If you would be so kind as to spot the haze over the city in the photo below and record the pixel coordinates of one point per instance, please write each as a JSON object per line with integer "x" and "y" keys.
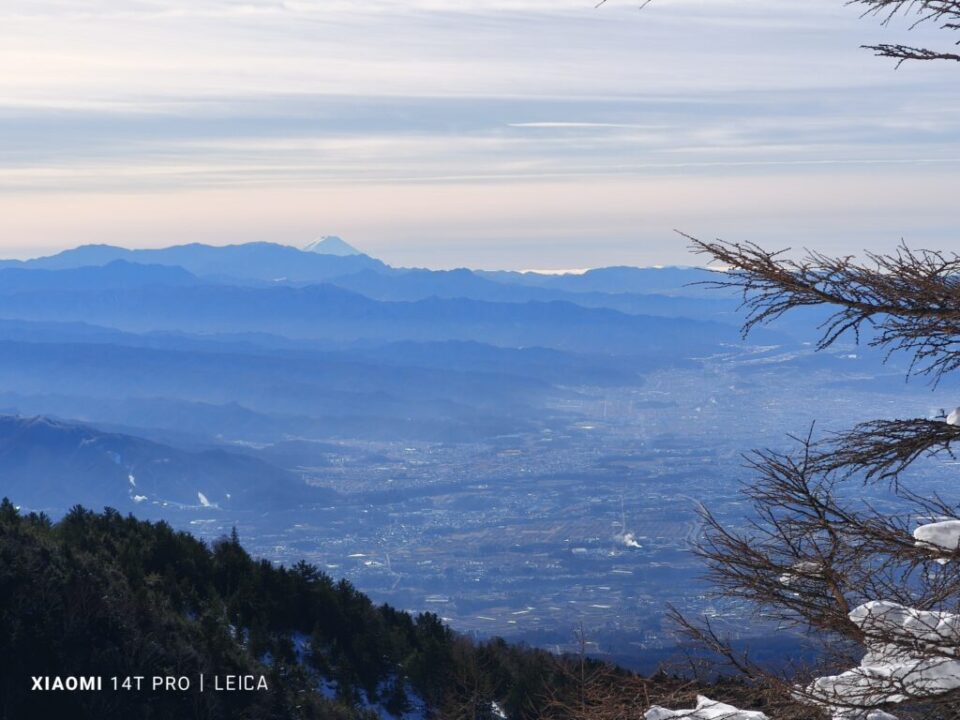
{"x": 444, "y": 133}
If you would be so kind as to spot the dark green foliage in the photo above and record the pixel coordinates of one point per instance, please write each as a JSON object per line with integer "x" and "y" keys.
{"x": 108, "y": 595}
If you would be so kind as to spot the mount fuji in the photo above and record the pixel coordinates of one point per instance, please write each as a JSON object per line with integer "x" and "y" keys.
{"x": 331, "y": 245}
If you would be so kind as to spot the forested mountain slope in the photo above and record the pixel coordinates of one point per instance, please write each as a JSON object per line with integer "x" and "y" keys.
{"x": 111, "y": 596}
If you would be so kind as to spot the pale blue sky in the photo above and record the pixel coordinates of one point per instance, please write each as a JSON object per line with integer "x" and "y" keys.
{"x": 502, "y": 133}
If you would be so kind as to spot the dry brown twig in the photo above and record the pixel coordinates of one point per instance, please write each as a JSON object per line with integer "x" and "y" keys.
{"x": 909, "y": 298}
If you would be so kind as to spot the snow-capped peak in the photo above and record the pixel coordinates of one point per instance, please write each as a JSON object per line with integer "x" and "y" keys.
{"x": 331, "y": 245}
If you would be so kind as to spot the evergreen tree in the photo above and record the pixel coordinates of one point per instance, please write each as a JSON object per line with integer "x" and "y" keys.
{"x": 107, "y": 595}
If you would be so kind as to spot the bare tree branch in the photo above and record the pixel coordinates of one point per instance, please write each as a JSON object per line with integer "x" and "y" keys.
{"x": 882, "y": 449}
{"x": 944, "y": 12}
{"x": 907, "y": 52}
{"x": 910, "y": 299}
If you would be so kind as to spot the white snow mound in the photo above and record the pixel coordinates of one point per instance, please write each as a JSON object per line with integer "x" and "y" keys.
{"x": 911, "y": 654}
{"x": 887, "y": 622}
{"x": 945, "y": 535}
{"x": 706, "y": 709}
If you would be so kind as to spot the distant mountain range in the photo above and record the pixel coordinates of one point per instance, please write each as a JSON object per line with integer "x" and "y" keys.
{"x": 330, "y": 257}
{"x": 115, "y": 275}
{"x": 268, "y": 288}
{"x": 412, "y": 285}
{"x": 334, "y": 314}
{"x": 267, "y": 262}
{"x": 159, "y": 355}
{"x": 255, "y": 394}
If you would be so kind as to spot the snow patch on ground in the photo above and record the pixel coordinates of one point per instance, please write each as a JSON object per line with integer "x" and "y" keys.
{"x": 911, "y": 654}
{"x": 706, "y": 709}
{"x": 944, "y": 535}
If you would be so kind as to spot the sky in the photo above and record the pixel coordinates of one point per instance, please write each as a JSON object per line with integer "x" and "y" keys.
{"x": 518, "y": 134}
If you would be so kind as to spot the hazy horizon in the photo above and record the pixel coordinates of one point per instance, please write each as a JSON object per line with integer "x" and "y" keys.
{"x": 28, "y": 255}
